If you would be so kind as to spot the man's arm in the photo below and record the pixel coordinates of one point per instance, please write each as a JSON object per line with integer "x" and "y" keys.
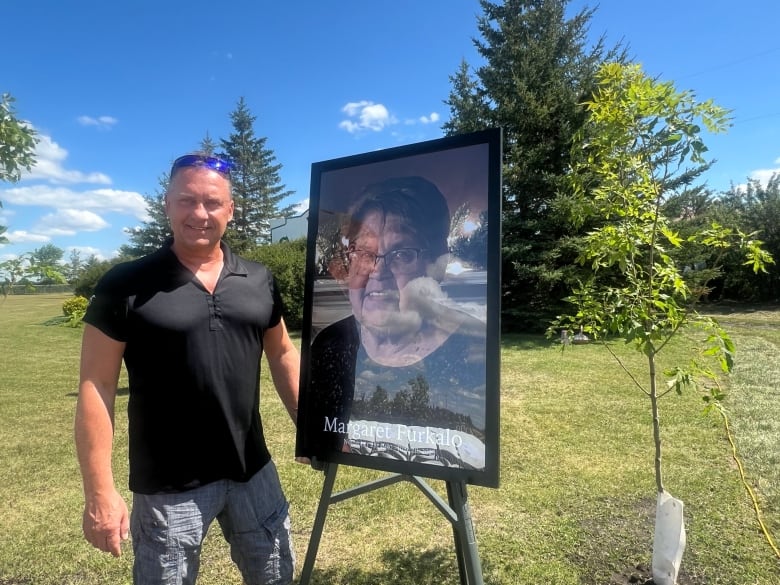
{"x": 285, "y": 364}
{"x": 106, "y": 521}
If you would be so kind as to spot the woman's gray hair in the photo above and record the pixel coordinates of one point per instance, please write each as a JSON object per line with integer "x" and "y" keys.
{"x": 416, "y": 200}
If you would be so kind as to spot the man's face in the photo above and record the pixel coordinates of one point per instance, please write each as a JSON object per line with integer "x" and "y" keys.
{"x": 384, "y": 257}
{"x": 199, "y": 207}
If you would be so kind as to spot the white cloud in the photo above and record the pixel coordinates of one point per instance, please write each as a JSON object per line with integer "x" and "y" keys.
{"x": 48, "y": 204}
{"x": 86, "y": 252}
{"x": 430, "y": 119}
{"x": 366, "y": 115}
{"x": 101, "y": 122}
{"x": 763, "y": 175}
{"x": 68, "y": 222}
{"x": 122, "y": 202}
{"x": 48, "y": 166}
{"x": 50, "y": 150}
{"x": 25, "y": 237}
{"x": 94, "y": 200}
{"x": 301, "y": 206}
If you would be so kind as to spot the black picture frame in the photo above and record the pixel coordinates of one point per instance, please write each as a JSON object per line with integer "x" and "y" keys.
{"x": 466, "y": 170}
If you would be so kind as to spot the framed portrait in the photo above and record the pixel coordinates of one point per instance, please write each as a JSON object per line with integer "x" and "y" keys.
{"x": 401, "y": 324}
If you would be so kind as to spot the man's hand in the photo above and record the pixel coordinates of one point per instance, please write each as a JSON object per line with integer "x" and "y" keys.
{"x": 106, "y": 522}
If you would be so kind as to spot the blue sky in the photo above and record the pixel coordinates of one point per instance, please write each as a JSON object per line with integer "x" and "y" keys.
{"x": 117, "y": 90}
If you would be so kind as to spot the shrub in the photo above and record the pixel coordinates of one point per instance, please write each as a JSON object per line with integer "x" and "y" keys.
{"x": 287, "y": 262}
{"x": 74, "y": 309}
{"x": 75, "y": 305}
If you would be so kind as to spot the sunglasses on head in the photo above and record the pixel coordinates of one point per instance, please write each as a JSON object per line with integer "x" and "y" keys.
{"x": 213, "y": 163}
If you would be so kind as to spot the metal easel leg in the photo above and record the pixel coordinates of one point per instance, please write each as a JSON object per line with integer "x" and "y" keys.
{"x": 457, "y": 512}
{"x": 319, "y": 522}
{"x": 465, "y": 539}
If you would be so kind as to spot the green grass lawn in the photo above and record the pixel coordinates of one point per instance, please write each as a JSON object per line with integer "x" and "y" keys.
{"x": 576, "y": 500}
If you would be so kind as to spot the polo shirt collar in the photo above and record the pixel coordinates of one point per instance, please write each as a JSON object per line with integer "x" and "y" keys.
{"x": 232, "y": 263}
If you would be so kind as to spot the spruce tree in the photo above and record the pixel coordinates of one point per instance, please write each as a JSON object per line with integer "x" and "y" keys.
{"x": 207, "y": 145}
{"x": 151, "y": 234}
{"x": 537, "y": 73}
{"x": 257, "y": 187}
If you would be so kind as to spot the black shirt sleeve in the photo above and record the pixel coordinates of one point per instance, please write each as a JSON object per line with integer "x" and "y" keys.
{"x": 107, "y": 309}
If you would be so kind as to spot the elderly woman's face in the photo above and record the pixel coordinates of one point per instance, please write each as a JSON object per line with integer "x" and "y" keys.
{"x": 383, "y": 258}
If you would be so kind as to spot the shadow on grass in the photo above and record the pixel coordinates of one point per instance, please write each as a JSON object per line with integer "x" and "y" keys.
{"x": 436, "y": 566}
{"x": 526, "y": 341}
{"x": 14, "y": 581}
{"x": 60, "y": 320}
{"x": 735, "y": 308}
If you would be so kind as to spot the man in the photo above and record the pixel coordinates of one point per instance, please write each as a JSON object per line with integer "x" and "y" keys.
{"x": 191, "y": 322}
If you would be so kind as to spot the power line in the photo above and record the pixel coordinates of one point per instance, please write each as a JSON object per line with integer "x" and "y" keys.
{"x": 732, "y": 63}
{"x": 759, "y": 117}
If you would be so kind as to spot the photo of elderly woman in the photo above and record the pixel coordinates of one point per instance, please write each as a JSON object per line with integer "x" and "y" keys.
{"x": 402, "y": 375}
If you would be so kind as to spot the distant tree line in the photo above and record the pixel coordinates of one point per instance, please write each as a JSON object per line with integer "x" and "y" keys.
{"x": 412, "y": 402}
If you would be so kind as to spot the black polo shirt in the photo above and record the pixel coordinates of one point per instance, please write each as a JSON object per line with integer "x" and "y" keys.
{"x": 193, "y": 361}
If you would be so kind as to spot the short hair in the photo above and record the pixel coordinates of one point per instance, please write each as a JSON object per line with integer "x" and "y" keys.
{"x": 415, "y": 199}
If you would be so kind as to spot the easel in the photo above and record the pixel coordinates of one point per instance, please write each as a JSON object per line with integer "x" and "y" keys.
{"x": 456, "y": 511}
